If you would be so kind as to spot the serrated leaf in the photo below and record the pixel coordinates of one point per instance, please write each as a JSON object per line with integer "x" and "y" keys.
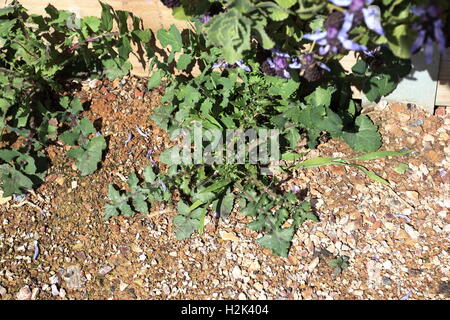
{"x": 286, "y": 3}
{"x": 170, "y": 156}
{"x": 258, "y": 224}
{"x": 124, "y": 48}
{"x": 187, "y": 223}
{"x": 116, "y": 68}
{"x": 113, "y": 194}
{"x": 231, "y": 32}
{"x": 89, "y": 156}
{"x": 360, "y": 68}
{"x": 70, "y": 137}
{"x": 139, "y": 202}
{"x": 133, "y": 181}
{"x": 379, "y": 86}
{"x": 149, "y": 175}
{"x": 183, "y": 61}
{"x": 366, "y": 139}
{"x": 9, "y": 155}
{"x": 170, "y": 37}
{"x": 321, "y": 97}
{"x": 92, "y": 22}
{"x": 13, "y": 181}
{"x": 179, "y": 14}
{"x": 155, "y": 79}
{"x": 279, "y": 241}
{"x": 110, "y": 211}
{"x": 278, "y": 14}
{"x": 75, "y": 106}
{"x": 144, "y": 35}
{"x": 107, "y": 17}
{"x": 86, "y": 127}
{"x": 400, "y": 40}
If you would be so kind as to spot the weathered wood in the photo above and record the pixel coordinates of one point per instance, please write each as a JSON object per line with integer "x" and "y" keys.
{"x": 155, "y": 16}
{"x": 443, "y": 90}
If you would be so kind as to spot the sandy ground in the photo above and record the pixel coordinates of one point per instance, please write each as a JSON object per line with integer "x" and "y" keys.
{"x": 396, "y": 238}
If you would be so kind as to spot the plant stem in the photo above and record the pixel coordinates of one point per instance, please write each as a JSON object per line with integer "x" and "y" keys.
{"x": 335, "y": 7}
{"x": 77, "y": 45}
{"x": 268, "y": 191}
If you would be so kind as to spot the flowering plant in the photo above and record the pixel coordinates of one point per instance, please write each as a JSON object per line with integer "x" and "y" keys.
{"x": 327, "y": 28}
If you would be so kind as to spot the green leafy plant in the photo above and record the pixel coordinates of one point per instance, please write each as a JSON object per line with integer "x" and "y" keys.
{"x": 250, "y": 65}
{"x": 151, "y": 189}
{"x": 225, "y": 96}
{"x": 38, "y": 53}
{"x": 88, "y": 152}
{"x": 339, "y": 264}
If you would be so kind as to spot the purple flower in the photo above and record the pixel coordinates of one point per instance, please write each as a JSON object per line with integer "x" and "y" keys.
{"x": 225, "y": 65}
{"x": 313, "y": 69}
{"x": 372, "y": 18}
{"x": 429, "y": 30}
{"x": 295, "y": 189}
{"x": 335, "y": 40}
{"x": 130, "y": 136}
{"x": 205, "y": 18}
{"x": 354, "y": 5}
{"x": 280, "y": 63}
{"x": 374, "y": 57}
{"x": 163, "y": 185}
{"x": 357, "y": 11}
{"x": 243, "y": 66}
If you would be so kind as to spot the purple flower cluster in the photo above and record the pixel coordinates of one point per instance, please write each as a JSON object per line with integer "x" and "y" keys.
{"x": 429, "y": 30}
{"x": 357, "y": 11}
{"x": 335, "y": 38}
{"x": 205, "y": 18}
{"x": 279, "y": 64}
{"x": 312, "y": 69}
{"x": 226, "y": 65}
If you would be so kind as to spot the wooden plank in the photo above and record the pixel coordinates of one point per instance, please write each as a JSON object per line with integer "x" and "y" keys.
{"x": 443, "y": 90}
{"x": 155, "y": 16}
{"x": 81, "y": 7}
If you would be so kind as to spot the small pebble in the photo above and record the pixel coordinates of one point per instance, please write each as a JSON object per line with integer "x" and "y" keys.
{"x": 123, "y": 286}
{"x": 34, "y": 293}
{"x": 55, "y": 291}
{"x": 62, "y": 293}
{"x": 417, "y": 123}
{"x": 24, "y": 293}
{"x": 105, "y": 269}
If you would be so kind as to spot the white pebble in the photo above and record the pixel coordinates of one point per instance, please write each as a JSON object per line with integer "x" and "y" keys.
{"x": 24, "y": 293}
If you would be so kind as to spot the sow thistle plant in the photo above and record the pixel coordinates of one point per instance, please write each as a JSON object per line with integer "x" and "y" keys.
{"x": 273, "y": 65}
{"x": 240, "y": 94}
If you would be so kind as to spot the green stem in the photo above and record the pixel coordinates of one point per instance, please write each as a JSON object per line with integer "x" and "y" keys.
{"x": 335, "y": 7}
